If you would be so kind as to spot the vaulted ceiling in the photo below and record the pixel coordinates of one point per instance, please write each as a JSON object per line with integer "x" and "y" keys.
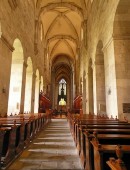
{"x": 62, "y": 27}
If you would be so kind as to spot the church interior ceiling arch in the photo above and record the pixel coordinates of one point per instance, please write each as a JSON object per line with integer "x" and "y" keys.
{"x": 62, "y": 23}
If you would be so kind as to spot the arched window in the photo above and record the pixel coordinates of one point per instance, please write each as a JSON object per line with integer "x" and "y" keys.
{"x": 62, "y": 96}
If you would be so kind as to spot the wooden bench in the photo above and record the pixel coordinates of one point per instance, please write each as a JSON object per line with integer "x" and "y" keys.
{"x": 80, "y": 130}
{"x": 33, "y": 124}
{"x": 103, "y": 152}
{"x": 110, "y": 131}
{"x": 77, "y": 122}
{"x": 93, "y": 124}
{"x": 85, "y": 137}
{"x": 8, "y": 149}
{"x": 17, "y": 132}
{"x": 2, "y": 133}
{"x": 22, "y": 133}
{"x": 116, "y": 164}
{"x": 72, "y": 119}
{"x": 86, "y": 147}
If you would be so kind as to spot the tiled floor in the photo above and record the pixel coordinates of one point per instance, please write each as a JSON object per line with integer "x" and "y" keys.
{"x": 52, "y": 149}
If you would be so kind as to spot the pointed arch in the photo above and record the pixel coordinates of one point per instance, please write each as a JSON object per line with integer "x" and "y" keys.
{"x": 71, "y": 6}
{"x": 16, "y": 78}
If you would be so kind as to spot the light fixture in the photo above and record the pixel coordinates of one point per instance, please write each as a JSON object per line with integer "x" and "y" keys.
{"x": 109, "y": 91}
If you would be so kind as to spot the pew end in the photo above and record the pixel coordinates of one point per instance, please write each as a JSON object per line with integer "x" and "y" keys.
{"x": 115, "y": 165}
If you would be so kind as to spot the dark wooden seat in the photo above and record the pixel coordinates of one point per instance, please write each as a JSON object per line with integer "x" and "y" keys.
{"x": 104, "y": 136}
{"x": 98, "y": 127}
{"x": 116, "y": 164}
{"x": 2, "y": 133}
{"x": 98, "y": 124}
{"x": 8, "y": 149}
{"x": 103, "y": 152}
{"x": 84, "y": 130}
{"x": 17, "y": 132}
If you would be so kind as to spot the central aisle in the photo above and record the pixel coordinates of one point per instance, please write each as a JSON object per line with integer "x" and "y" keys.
{"x": 52, "y": 149}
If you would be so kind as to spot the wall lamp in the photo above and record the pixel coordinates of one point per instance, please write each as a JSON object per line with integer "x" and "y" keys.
{"x": 109, "y": 91}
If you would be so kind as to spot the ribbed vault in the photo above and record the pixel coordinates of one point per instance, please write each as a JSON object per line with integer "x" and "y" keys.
{"x": 62, "y": 29}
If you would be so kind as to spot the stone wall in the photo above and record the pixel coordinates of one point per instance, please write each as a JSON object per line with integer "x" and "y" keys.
{"x": 100, "y": 27}
{"x": 17, "y": 21}
{"x": 107, "y": 21}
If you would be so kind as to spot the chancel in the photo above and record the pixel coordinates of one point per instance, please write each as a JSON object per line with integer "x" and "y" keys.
{"x": 64, "y": 84}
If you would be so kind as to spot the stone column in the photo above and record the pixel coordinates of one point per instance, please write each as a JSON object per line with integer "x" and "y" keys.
{"x": 84, "y": 93}
{"x": 78, "y": 71}
{"x": 71, "y": 87}
{"x": 110, "y": 79}
{"x": 36, "y": 37}
{"x": 94, "y": 88}
{"x": 53, "y": 89}
{"x": 6, "y": 50}
{"x": 87, "y": 93}
{"x": 45, "y": 60}
{"x": 122, "y": 66}
{"x": 33, "y": 92}
{"x": 90, "y": 89}
{"x": 100, "y": 82}
{"x": 56, "y": 95}
{"x": 23, "y": 87}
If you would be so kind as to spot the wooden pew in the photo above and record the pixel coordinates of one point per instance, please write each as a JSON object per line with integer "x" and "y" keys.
{"x": 77, "y": 117}
{"x": 116, "y": 164}
{"x": 72, "y": 119}
{"x": 19, "y": 131}
{"x": 111, "y": 139}
{"x": 102, "y": 125}
{"x": 8, "y": 149}
{"x": 86, "y": 122}
{"x": 103, "y": 152}
{"x": 84, "y": 138}
{"x": 22, "y": 133}
{"x": 19, "y": 141}
{"x": 2, "y": 133}
{"x": 78, "y": 126}
{"x": 35, "y": 123}
{"x": 86, "y": 152}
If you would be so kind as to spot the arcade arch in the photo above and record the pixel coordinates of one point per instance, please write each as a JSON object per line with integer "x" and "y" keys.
{"x": 15, "y": 78}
